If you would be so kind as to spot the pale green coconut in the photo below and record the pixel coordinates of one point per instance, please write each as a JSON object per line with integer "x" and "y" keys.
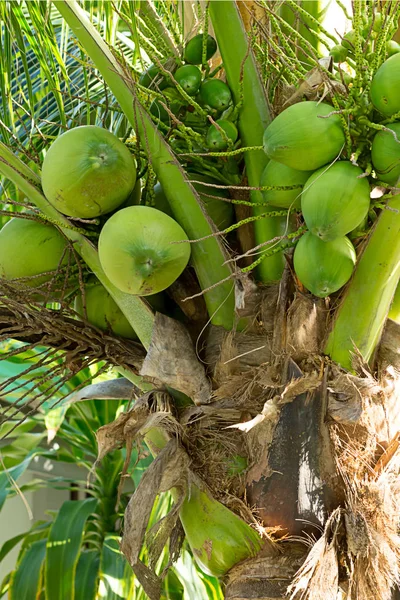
{"x": 323, "y": 267}
{"x": 335, "y": 200}
{"x": 29, "y": 248}
{"x": 88, "y": 172}
{"x": 142, "y": 250}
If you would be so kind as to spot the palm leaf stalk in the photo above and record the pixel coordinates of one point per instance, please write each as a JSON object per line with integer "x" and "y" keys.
{"x": 244, "y": 80}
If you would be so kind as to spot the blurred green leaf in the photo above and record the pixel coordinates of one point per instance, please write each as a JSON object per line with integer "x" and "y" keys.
{"x": 87, "y": 572}
{"x": 26, "y": 580}
{"x": 117, "y": 580}
{"x": 64, "y": 546}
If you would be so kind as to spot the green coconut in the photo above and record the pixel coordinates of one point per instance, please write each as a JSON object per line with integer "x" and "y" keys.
{"x": 153, "y": 78}
{"x": 140, "y": 252}
{"x": 218, "y": 141}
{"x": 215, "y": 94}
{"x": 392, "y": 47}
{"x": 335, "y": 200}
{"x": 194, "y": 49}
{"x": 323, "y": 267}
{"x": 385, "y": 154}
{"x": 29, "y": 248}
{"x": 189, "y": 78}
{"x": 278, "y": 174}
{"x": 385, "y": 87}
{"x": 103, "y": 312}
{"x": 88, "y": 172}
{"x": 301, "y": 138}
{"x": 221, "y": 212}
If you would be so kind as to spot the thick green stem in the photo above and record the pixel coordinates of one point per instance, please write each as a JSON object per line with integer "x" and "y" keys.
{"x": 207, "y": 256}
{"x": 254, "y": 117}
{"x": 362, "y": 314}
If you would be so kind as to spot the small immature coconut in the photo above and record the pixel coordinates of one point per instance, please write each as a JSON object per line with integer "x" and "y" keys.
{"x": 138, "y": 250}
{"x": 153, "y": 78}
{"x": 304, "y": 137}
{"x": 335, "y": 200}
{"x": 189, "y": 78}
{"x": 323, "y": 267}
{"x": 216, "y": 140}
{"x": 29, "y": 248}
{"x": 194, "y": 49}
{"x": 88, "y": 172}
{"x": 215, "y": 94}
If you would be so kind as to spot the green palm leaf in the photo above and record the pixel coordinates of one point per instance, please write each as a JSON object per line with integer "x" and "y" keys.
{"x": 26, "y": 580}
{"x": 63, "y": 548}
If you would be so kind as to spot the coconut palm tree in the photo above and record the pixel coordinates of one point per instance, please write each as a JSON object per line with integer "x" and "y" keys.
{"x": 269, "y": 387}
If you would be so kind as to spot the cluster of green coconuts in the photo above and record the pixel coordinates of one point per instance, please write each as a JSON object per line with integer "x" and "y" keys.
{"x": 89, "y": 172}
{"x": 209, "y": 92}
{"x": 304, "y": 144}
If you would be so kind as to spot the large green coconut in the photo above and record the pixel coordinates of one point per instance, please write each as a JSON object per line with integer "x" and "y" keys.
{"x": 323, "y": 267}
{"x": 221, "y": 212}
{"x": 385, "y": 87}
{"x": 103, "y": 312}
{"x": 140, "y": 252}
{"x": 335, "y": 200}
{"x": 385, "y": 154}
{"x": 88, "y": 172}
{"x": 277, "y": 174}
{"x": 29, "y": 248}
{"x": 304, "y": 137}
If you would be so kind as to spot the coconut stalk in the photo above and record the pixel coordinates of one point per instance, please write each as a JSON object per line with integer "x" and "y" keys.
{"x": 254, "y": 117}
{"x": 208, "y": 256}
{"x": 360, "y": 319}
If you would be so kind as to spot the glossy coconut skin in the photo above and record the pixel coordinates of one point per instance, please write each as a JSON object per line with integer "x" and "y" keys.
{"x": 335, "y": 200}
{"x": 300, "y": 137}
{"x": 277, "y": 174}
{"x": 215, "y": 138}
{"x": 194, "y": 49}
{"x": 323, "y": 267}
{"x": 385, "y": 87}
{"x": 189, "y": 78}
{"x": 385, "y": 154}
{"x": 215, "y": 94}
{"x": 29, "y": 248}
{"x": 140, "y": 250}
{"x": 88, "y": 172}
